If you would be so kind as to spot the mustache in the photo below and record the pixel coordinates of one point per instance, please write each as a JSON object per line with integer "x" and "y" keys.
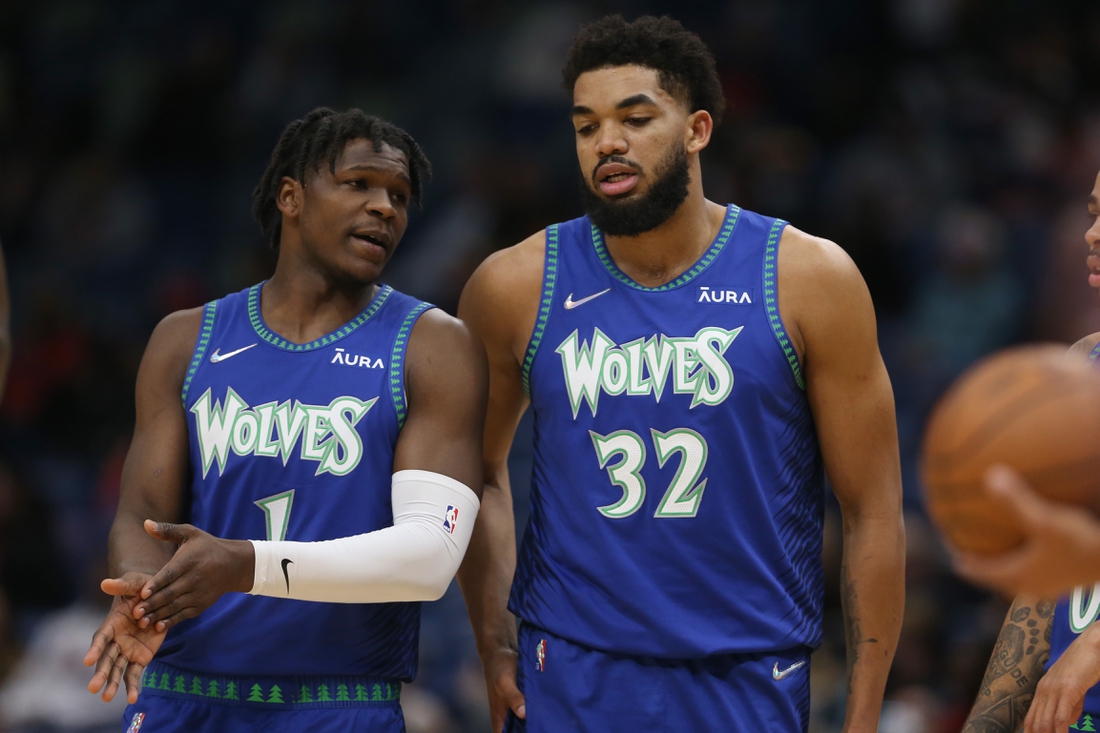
{"x": 613, "y": 159}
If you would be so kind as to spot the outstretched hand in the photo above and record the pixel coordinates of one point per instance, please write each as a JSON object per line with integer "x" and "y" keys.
{"x": 1061, "y": 546}
{"x": 203, "y": 569}
{"x": 121, "y": 648}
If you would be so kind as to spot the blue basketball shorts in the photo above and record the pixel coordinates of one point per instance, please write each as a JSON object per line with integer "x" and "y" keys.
{"x": 575, "y": 689}
{"x": 178, "y": 701}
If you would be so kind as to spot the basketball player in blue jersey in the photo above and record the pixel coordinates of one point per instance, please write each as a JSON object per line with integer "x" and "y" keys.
{"x": 1045, "y": 669}
{"x": 316, "y": 405}
{"x": 694, "y": 370}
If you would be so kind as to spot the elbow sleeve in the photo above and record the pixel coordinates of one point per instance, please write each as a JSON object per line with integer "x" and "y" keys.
{"x": 414, "y": 560}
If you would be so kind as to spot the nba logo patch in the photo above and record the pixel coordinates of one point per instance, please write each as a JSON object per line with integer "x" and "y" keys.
{"x": 540, "y": 656}
{"x": 135, "y": 723}
{"x": 450, "y": 519}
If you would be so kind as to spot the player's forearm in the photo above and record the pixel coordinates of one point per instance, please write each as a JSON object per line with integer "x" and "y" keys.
{"x": 1017, "y": 663}
{"x": 486, "y": 574}
{"x": 131, "y": 549}
{"x": 873, "y": 598}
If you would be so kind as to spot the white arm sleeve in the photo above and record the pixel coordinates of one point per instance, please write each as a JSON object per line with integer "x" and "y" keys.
{"x": 414, "y": 560}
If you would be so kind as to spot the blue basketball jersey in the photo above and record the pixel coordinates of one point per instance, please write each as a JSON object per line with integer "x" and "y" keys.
{"x": 677, "y": 497}
{"x": 1075, "y": 613}
{"x": 296, "y": 442}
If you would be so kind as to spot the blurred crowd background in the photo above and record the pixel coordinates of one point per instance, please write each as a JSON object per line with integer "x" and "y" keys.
{"x": 947, "y": 145}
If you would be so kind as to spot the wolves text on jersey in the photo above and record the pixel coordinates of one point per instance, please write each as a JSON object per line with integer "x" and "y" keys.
{"x": 327, "y": 432}
{"x": 642, "y": 366}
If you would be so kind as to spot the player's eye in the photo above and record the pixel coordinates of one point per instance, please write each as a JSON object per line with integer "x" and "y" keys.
{"x": 638, "y": 121}
{"x": 357, "y": 183}
{"x": 586, "y": 129}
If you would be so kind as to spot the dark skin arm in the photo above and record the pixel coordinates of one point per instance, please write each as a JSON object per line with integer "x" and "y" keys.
{"x": 500, "y": 304}
{"x": 828, "y": 311}
{"x": 153, "y": 480}
{"x": 1015, "y": 668}
{"x": 447, "y": 382}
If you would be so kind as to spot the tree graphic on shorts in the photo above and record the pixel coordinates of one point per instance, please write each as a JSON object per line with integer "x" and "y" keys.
{"x": 257, "y": 694}
{"x": 179, "y": 686}
{"x": 342, "y": 693}
{"x": 196, "y": 686}
{"x": 322, "y": 694}
{"x": 212, "y": 689}
{"x": 276, "y": 695}
{"x": 376, "y": 696}
{"x": 231, "y": 691}
{"x": 305, "y": 695}
{"x": 361, "y": 694}
{"x": 1086, "y": 723}
{"x": 165, "y": 682}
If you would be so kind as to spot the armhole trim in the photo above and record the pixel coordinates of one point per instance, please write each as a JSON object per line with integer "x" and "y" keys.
{"x": 549, "y": 278}
{"x": 1095, "y": 353}
{"x": 771, "y": 301}
{"x": 397, "y": 363}
{"x": 201, "y": 343}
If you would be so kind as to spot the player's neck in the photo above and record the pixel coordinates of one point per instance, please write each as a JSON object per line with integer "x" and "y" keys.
{"x": 663, "y": 254}
{"x": 302, "y": 304}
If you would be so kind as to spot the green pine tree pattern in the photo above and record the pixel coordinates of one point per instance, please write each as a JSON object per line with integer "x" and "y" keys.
{"x": 1086, "y": 723}
{"x": 179, "y": 686}
{"x": 322, "y": 694}
{"x": 342, "y": 693}
{"x": 376, "y": 696}
{"x": 231, "y": 691}
{"x": 276, "y": 695}
{"x": 361, "y": 694}
{"x": 212, "y": 689}
{"x": 165, "y": 682}
{"x": 257, "y": 694}
{"x": 305, "y": 695}
{"x": 196, "y": 686}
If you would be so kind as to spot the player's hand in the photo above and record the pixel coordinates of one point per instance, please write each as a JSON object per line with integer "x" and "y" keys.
{"x": 1061, "y": 544}
{"x": 120, "y": 648}
{"x": 203, "y": 569}
{"x": 1060, "y": 695}
{"x": 500, "y": 680}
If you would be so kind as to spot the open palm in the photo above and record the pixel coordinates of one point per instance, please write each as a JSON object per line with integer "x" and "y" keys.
{"x": 121, "y": 648}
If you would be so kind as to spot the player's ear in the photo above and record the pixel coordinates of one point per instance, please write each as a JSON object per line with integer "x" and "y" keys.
{"x": 697, "y": 130}
{"x": 289, "y": 197}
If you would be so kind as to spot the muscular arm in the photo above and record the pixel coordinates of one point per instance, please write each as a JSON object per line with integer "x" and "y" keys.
{"x": 499, "y": 304}
{"x": 1019, "y": 656}
{"x": 822, "y": 295}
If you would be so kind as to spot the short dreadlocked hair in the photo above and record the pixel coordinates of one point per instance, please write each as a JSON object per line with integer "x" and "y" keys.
{"x": 318, "y": 138}
{"x": 684, "y": 64}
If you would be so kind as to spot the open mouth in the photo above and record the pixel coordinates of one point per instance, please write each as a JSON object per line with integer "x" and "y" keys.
{"x": 374, "y": 240}
{"x": 615, "y": 179}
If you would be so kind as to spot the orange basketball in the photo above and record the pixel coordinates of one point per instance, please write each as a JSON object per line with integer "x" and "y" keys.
{"x": 1034, "y": 408}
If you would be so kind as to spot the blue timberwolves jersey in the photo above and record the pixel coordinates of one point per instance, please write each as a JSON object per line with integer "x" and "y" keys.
{"x": 1075, "y": 614}
{"x": 296, "y": 442}
{"x": 677, "y": 494}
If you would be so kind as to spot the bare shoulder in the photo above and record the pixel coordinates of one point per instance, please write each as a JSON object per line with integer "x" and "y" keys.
{"x": 816, "y": 263}
{"x": 438, "y": 336}
{"x": 168, "y": 353}
{"x": 501, "y": 299}
{"x": 1085, "y": 346}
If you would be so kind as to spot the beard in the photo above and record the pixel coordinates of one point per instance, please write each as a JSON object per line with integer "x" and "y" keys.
{"x": 645, "y": 212}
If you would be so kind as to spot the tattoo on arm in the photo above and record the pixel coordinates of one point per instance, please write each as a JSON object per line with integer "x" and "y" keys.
{"x": 853, "y": 634}
{"x": 1021, "y": 653}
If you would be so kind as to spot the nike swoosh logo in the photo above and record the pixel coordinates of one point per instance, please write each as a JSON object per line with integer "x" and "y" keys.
{"x": 778, "y": 674}
{"x": 216, "y": 357}
{"x": 286, "y": 575}
{"x": 570, "y": 304}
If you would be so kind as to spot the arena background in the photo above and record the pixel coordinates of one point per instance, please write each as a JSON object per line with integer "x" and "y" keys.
{"x": 948, "y": 145}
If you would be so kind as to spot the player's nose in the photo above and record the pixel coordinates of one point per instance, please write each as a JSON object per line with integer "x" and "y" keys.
{"x": 1092, "y": 236}
{"x": 611, "y": 141}
{"x": 380, "y": 204}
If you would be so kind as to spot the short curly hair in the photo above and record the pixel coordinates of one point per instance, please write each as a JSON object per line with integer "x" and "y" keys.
{"x": 684, "y": 65}
{"x": 318, "y": 139}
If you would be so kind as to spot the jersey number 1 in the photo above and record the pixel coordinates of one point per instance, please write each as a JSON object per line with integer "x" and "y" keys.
{"x": 683, "y": 496}
{"x": 277, "y": 513}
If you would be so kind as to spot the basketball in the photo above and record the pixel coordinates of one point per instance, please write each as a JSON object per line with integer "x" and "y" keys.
{"x": 1033, "y": 408}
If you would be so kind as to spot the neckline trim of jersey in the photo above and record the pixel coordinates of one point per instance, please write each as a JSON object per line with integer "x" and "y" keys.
{"x": 733, "y": 214}
{"x": 269, "y": 336}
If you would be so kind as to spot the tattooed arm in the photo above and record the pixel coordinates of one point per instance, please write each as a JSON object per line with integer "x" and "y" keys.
{"x": 1019, "y": 656}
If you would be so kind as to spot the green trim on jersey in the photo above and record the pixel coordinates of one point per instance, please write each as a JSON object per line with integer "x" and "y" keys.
{"x": 397, "y": 363}
{"x": 271, "y": 693}
{"x": 1095, "y": 353}
{"x": 201, "y": 345}
{"x": 281, "y": 343}
{"x": 549, "y": 277}
{"x": 771, "y": 302}
{"x": 728, "y": 225}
